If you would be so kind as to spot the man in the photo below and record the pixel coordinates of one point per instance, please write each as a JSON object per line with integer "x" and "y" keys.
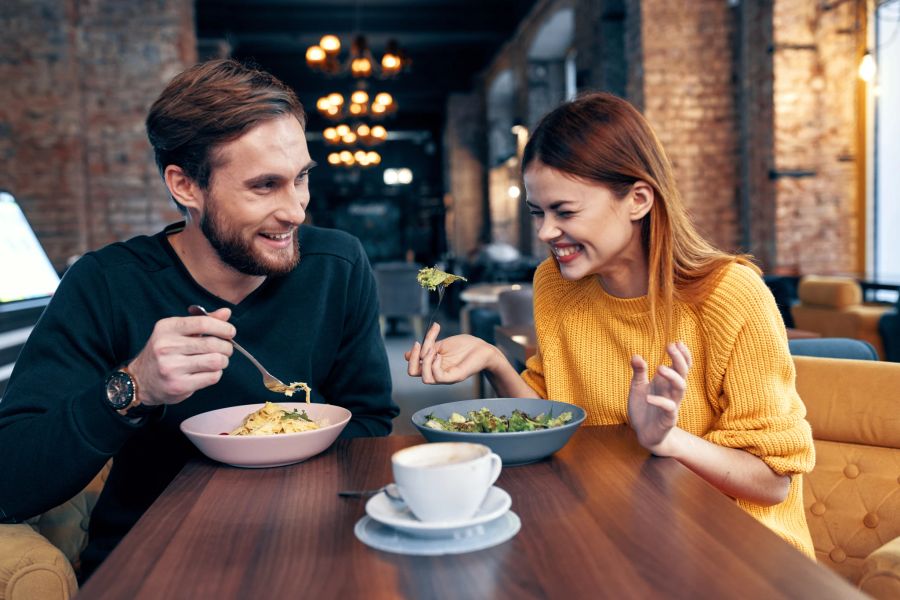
{"x": 115, "y": 363}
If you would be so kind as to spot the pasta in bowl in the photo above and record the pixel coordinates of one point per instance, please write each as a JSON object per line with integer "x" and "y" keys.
{"x": 280, "y": 433}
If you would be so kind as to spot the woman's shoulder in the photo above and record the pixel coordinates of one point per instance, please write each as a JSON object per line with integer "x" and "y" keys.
{"x": 737, "y": 283}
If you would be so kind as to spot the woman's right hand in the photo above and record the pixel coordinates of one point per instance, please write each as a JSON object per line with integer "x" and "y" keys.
{"x": 450, "y": 360}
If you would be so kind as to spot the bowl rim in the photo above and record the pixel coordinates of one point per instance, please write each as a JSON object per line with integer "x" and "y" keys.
{"x": 292, "y": 435}
{"x": 575, "y": 422}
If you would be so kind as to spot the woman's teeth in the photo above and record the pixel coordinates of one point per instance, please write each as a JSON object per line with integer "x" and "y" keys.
{"x": 568, "y": 250}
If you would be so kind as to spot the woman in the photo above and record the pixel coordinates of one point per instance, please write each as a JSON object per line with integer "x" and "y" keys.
{"x": 631, "y": 285}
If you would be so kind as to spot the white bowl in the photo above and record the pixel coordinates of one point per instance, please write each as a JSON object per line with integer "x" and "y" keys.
{"x": 205, "y": 431}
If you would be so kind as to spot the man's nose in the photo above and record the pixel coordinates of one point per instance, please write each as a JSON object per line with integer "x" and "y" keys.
{"x": 293, "y": 205}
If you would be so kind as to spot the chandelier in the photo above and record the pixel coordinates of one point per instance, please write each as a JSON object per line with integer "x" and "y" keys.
{"x": 334, "y": 106}
{"x": 344, "y": 134}
{"x": 361, "y": 158}
{"x": 325, "y": 57}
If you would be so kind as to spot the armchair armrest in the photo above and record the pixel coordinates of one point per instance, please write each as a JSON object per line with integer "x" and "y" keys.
{"x": 881, "y": 571}
{"x": 32, "y": 567}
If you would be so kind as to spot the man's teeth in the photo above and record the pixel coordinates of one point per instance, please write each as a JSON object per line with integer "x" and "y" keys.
{"x": 566, "y": 251}
{"x": 277, "y": 236}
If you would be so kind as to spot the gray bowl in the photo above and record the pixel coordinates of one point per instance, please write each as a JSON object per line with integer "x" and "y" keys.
{"x": 515, "y": 448}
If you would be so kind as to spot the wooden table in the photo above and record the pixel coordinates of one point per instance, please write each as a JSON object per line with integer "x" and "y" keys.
{"x": 600, "y": 519}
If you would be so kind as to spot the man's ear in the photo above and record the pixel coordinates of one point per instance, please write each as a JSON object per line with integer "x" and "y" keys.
{"x": 184, "y": 190}
{"x": 642, "y": 198}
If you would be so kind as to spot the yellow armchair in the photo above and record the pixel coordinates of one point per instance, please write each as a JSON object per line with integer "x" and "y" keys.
{"x": 833, "y": 307}
{"x": 38, "y": 558}
{"x": 852, "y": 497}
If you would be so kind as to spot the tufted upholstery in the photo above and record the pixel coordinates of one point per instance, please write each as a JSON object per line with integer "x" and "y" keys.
{"x": 38, "y": 557}
{"x": 832, "y": 307}
{"x": 852, "y": 497}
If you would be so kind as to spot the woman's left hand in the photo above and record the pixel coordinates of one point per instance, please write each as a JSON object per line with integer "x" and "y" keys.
{"x": 653, "y": 405}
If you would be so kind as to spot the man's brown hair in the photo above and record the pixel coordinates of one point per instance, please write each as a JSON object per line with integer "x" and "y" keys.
{"x": 209, "y": 104}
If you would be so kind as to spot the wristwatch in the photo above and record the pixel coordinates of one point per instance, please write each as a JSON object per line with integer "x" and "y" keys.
{"x": 122, "y": 392}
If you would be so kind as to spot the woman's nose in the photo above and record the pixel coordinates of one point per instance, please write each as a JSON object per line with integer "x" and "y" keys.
{"x": 547, "y": 230}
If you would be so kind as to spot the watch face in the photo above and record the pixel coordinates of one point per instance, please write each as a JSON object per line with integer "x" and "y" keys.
{"x": 119, "y": 390}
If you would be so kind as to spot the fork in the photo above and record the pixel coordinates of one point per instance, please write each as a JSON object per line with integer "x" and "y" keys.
{"x": 440, "y": 290}
{"x": 271, "y": 382}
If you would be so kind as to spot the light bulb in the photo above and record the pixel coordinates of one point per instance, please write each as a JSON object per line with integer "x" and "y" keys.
{"x": 315, "y": 55}
{"x": 359, "y": 97}
{"x": 342, "y": 129}
{"x": 390, "y": 63}
{"x": 334, "y": 158}
{"x": 330, "y": 44}
{"x": 336, "y": 99}
{"x": 384, "y": 98}
{"x": 867, "y": 68}
{"x": 363, "y": 130}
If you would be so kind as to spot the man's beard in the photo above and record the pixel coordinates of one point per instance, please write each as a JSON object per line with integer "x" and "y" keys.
{"x": 239, "y": 253}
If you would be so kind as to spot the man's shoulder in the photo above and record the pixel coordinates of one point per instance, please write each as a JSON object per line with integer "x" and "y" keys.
{"x": 145, "y": 252}
{"x": 322, "y": 241}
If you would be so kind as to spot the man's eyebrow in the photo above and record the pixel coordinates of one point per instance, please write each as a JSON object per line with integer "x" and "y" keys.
{"x": 265, "y": 177}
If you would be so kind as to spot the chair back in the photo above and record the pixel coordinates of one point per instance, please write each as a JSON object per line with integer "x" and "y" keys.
{"x": 399, "y": 293}
{"x": 833, "y": 348}
{"x": 833, "y": 307}
{"x": 516, "y": 306}
{"x": 851, "y": 496}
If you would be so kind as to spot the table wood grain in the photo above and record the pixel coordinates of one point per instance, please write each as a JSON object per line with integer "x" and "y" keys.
{"x": 600, "y": 519}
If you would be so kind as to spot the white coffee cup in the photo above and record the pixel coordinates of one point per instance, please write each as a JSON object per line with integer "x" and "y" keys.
{"x": 446, "y": 481}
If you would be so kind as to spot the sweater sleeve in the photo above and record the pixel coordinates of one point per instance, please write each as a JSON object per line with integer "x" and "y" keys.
{"x": 761, "y": 411}
{"x": 56, "y": 430}
{"x": 361, "y": 376}
{"x": 548, "y": 289}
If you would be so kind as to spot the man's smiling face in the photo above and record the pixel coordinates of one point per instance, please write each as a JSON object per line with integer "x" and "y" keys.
{"x": 257, "y": 198}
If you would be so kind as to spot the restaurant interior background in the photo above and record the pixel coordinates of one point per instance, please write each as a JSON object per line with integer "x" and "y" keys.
{"x": 780, "y": 117}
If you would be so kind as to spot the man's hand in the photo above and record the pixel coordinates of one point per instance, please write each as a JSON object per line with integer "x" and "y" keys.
{"x": 183, "y": 355}
{"x": 653, "y": 405}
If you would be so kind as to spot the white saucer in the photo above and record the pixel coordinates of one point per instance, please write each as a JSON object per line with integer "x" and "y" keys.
{"x": 477, "y": 537}
{"x": 397, "y": 515}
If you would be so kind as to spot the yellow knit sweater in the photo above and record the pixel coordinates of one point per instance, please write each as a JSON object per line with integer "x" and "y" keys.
{"x": 740, "y": 388}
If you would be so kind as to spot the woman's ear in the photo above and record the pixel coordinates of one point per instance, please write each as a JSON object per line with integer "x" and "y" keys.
{"x": 642, "y": 198}
{"x": 184, "y": 190}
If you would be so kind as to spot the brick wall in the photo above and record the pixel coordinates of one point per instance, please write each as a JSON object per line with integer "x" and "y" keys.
{"x": 688, "y": 97}
{"x": 814, "y": 136}
{"x": 755, "y": 80}
{"x": 78, "y": 80}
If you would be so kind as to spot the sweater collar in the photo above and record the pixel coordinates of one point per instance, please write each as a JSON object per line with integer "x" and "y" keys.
{"x": 622, "y": 306}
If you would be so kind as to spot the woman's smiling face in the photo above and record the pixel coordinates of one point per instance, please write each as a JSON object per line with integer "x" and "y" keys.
{"x": 589, "y": 229}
